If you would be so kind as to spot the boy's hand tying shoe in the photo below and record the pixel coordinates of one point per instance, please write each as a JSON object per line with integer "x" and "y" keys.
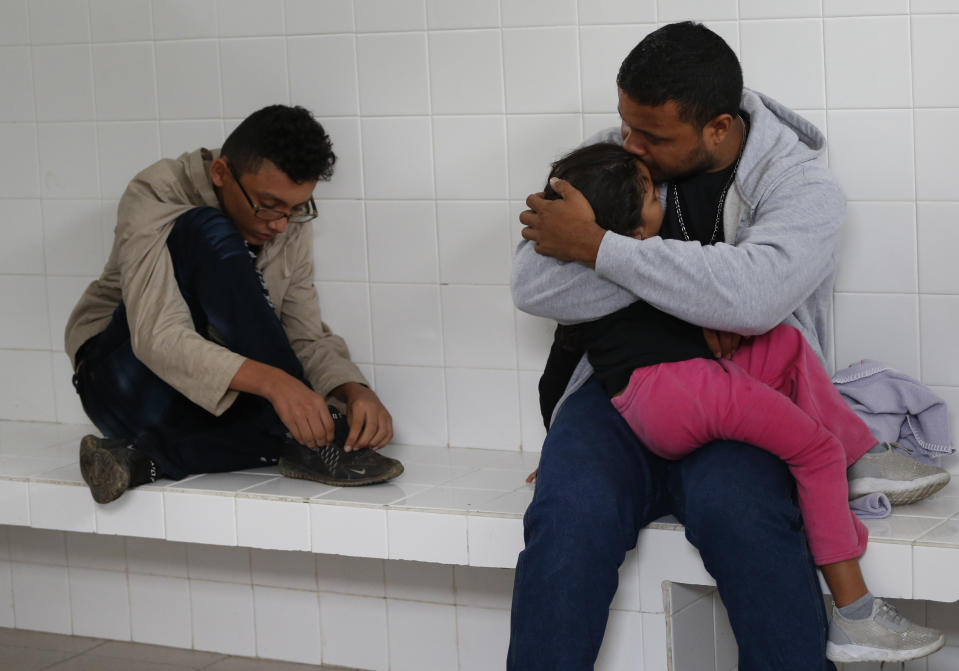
{"x": 333, "y": 465}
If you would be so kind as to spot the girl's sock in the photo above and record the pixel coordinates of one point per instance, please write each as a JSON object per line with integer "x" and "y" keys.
{"x": 859, "y": 609}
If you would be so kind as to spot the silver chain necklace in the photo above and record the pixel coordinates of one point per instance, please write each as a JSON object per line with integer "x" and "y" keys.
{"x": 722, "y": 196}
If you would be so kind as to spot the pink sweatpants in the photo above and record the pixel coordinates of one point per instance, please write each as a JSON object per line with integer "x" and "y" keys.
{"x": 774, "y": 394}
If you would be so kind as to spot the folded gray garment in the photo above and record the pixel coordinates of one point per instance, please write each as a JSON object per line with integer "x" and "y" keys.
{"x": 897, "y": 408}
{"x": 873, "y": 506}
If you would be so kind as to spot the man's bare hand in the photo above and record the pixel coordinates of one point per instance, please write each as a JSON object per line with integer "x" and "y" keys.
{"x": 723, "y": 344}
{"x": 566, "y": 228}
{"x": 302, "y": 411}
{"x": 370, "y": 423}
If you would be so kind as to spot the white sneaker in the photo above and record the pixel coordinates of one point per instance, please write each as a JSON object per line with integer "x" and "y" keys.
{"x": 884, "y": 636}
{"x": 895, "y": 474}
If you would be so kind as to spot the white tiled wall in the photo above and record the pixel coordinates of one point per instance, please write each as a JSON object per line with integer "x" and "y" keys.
{"x": 296, "y": 606}
{"x": 347, "y": 611}
{"x": 445, "y": 115}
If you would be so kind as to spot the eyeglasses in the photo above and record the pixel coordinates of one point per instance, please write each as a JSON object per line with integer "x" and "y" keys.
{"x": 298, "y": 215}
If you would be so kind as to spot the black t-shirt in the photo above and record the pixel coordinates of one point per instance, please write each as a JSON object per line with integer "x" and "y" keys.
{"x": 636, "y": 336}
{"x": 699, "y": 198}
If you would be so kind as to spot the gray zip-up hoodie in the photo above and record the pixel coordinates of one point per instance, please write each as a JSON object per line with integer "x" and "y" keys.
{"x": 781, "y": 219}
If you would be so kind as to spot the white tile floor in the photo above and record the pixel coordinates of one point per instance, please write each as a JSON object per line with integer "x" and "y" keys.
{"x": 35, "y": 651}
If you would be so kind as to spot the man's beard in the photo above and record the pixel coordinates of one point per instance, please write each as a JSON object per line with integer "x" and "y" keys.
{"x": 697, "y": 162}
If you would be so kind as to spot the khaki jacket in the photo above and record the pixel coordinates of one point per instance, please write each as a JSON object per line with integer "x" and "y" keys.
{"x": 140, "y": 273}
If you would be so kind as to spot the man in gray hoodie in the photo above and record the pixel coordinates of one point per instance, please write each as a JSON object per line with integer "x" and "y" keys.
{"x": 749, "y": 241}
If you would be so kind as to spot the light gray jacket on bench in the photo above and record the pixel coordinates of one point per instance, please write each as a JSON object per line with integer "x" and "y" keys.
{"x": 782, "y": 217}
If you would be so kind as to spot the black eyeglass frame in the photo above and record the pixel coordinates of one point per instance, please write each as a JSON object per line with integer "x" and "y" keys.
{"x": 272, "y": 214}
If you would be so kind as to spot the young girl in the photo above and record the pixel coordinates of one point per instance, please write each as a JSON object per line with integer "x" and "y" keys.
{"x": 772, "y": 393}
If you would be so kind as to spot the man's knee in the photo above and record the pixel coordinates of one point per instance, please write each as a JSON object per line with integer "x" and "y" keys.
{"x": 585, "y": 499}
{"x": 581, "y": 519}
{"x": 732, "y": 493}
{"x": 205, "y": 231}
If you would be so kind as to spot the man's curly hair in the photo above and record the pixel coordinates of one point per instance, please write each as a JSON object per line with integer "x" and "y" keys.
{"x": 289, "y": 137}
{"x": 689, "y": 64}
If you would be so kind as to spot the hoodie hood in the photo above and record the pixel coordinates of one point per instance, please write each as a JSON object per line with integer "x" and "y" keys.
{"x": 779, "y": 140}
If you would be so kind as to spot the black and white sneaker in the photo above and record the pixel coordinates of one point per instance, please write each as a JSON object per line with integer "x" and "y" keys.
{"x": 110, "y": 467}
{"x": 332, "y": 465}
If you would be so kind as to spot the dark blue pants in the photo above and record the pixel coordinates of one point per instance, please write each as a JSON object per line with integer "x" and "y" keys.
{"x": 217, "y": 277}
{"x": 598, "y": 486}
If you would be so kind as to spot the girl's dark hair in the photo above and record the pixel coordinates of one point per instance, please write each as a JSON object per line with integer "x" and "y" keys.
{"x": 606, "y": 174}
{"x": 289, "y": 137}
{"x": 686, "y": 63}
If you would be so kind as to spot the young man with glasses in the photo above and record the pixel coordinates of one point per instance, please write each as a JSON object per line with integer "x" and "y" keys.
{"x": 200, "y": 348}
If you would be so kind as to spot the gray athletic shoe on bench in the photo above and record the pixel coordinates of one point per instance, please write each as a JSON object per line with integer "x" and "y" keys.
{"x": 884, "y": 636}
{"x": 895, "y": 474}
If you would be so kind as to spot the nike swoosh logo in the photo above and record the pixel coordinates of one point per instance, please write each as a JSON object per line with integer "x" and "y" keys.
{"x": 358, "y": 471}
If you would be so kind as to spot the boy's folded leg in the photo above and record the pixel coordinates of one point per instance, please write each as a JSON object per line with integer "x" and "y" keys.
{"x": 884, "y": 635}
{"x": 891, "y": 471}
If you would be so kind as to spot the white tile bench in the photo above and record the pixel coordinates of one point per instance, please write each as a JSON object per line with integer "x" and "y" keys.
{"x": 452, "y": 506}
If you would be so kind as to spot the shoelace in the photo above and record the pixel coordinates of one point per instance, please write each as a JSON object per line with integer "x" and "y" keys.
{"x": 898, "y": 447}
{"x": 890, "y": 612}
{"x": 330, "y": 454}
{"x": 894, "y": 615}
{"x": 911, "y": 451}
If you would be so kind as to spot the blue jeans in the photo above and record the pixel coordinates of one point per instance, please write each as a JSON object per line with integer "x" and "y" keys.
{"x": 217, "y": 278}
{"x": 598, "y": 486}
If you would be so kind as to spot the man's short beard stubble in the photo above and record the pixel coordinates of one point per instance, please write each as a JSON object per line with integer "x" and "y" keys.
{"x": 699, "y": 161}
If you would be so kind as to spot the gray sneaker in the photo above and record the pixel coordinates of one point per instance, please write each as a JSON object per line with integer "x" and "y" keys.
{"x": 895, "y": 474}
{"x": 885, "y": 636}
